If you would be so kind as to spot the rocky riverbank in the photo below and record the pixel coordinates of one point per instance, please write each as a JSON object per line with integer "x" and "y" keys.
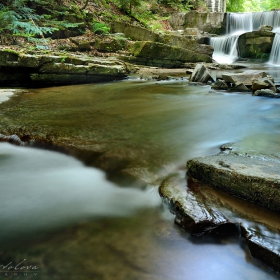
{"x": 201, "y": 210}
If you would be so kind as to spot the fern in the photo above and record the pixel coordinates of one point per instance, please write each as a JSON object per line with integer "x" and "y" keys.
{"x": 20, "y": 20}
{"x": 99, "y": 27}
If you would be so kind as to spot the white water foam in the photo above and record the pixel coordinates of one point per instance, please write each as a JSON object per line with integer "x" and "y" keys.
{"x": 274, "y": 58}
{"x": 42, "y": 189}
{"x": 225, "y": 48}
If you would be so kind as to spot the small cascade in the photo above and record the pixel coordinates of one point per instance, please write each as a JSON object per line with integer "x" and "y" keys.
{"x": 239, "y": 23}
{"x": 275, "y": 51}
{"x": 225, "y": 48}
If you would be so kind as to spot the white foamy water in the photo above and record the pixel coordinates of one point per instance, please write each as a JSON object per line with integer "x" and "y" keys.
{"x": 42, "y": 189}
{"x": 5, "y": 94}
{"x": 225, "y": 48}
{"x": 274, "y": 58}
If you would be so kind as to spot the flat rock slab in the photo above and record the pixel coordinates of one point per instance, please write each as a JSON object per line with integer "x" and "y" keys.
{"x": 192, "y": 211}
{"x": 254, "y": 179}
{"x": 243, "y": 78}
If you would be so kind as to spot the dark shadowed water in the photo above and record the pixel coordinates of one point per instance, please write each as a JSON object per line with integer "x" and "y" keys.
{"x": 73, "y": 224}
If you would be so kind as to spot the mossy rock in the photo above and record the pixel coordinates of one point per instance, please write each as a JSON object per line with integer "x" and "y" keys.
{"x": 255, "y": 44}
{"x": 110, "y": 44}
{"x": 8, "y": 57}
{"x": 154, "y": 50}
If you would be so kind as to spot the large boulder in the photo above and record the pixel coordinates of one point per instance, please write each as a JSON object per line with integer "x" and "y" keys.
{"x": 201, "y": 74}
{"x": 256, "y": 44}
{"x": 263, "y": 83}
{"x": 245, "y": 78}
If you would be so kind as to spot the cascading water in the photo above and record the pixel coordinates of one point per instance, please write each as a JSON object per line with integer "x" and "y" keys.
{"x": 225, "y": 47}
{"x": 275, "y": 51}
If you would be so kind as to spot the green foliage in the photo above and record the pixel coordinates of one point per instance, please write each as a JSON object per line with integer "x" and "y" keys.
{"x": 235, "y": 5}
{"x": 270, "y": 4}
{"x": 181, "y": 5}
{"x": 100, "y": 28}
{"x": 251, "y": 5}
{"x": 128, "y": 5}
{"x": 20, "y": 20}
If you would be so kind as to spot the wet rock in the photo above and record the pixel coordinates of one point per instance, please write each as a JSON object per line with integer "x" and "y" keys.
{"x": 25, "y": 69}
{"x": 161, "y": 77}
{"x": 265, "y": 28}
{"x": 158, "y": 54}
{"x": 264, "y": 83}
{"x": 220, "y": 85}
{"x": 245, "y": 78}
{"x": 240, "y": 87}
{"x": 263, "y": 244}
{"x": 13, "y": 139}
{"x": 253, "y": 179}
{"x": 201, "y": 74}
{"x": 266, "y": 93}
{"x": 256, "y": 44}
{"x": 192, "y": 211}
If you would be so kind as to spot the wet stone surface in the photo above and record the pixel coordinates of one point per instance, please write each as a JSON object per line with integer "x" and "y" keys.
{"x": 201, "y": 210}
{"x": 192, "y": 211}
{"x": 251, "y": 178}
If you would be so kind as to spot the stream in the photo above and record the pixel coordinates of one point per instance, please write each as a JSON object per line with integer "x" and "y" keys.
{"x": 70, "y": 222}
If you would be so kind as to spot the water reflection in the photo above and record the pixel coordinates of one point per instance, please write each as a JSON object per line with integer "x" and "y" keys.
{"x": 158, "y": 125}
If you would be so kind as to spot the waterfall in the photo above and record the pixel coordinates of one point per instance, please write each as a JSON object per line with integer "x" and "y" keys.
{"x": 225, "y": 50}
{"x": 225, "y": 47}
{"x": 275, "y": 51}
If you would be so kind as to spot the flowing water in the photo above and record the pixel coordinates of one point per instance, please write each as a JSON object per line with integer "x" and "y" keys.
{"x": 225, "y": 47}
{"x": 275, "y": 51}
{"x": 69, "y": 221}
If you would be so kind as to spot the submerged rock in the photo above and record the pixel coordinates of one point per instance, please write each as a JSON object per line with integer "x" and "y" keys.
{"x": 220, "y": 85}
{"x": 239, "y": 87}
{"x": 263, "y": 244}
{"x": 266, "y": 93}
{"x": 194, "y": 205}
